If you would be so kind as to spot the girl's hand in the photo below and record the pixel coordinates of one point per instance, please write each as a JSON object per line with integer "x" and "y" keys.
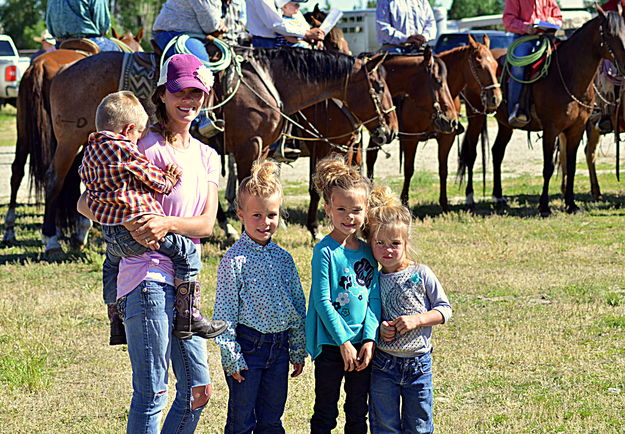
{"x": 151, "y": 230}
{"x": 387, "y": 331}
{"x": 237, "y": 376}
{"x": 349, "y": 355}
{"x": 297, "y": 369}
{"x": 365, "y": 355}
{"x": 405, "y": 323}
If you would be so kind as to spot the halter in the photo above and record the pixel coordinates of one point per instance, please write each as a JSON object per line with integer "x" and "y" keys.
{"x": 483, "y": 89}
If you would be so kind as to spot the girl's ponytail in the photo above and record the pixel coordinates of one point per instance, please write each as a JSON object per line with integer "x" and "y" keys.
{"x": 334, "y": 171}
{"x": 263, "y": 182}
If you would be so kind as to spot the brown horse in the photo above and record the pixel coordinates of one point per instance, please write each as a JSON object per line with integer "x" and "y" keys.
{"x": 273, "y": 83}
{"x": 35, "y": 137}
{"x": 563, "y": 101}
{"x": 421, "y": 78}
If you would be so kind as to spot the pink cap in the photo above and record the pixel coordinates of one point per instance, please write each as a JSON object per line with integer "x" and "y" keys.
{"x": 181, "y": 71}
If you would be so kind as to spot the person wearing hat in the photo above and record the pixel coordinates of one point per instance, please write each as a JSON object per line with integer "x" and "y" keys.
{"x": 145, "y": 291}
{"x": 47, "y": 41}
{"x": 265, "y": 22}
{"x": 292, "y": 15}
{"x": 409, "y": 23}
{"x": 89, "y": 19}
{"x": 191, "y": 17}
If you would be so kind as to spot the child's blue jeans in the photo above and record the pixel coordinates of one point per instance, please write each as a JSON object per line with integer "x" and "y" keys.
{"x": 409, "y": 378}
{"x": 256, "y": 404}
{"x": 120, "y": 244}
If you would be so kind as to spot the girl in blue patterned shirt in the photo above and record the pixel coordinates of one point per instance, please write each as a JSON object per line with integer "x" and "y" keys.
{"x": 344, "y": 304}
{"x": 260, "y": 296}
{"x": 413, "y": 301}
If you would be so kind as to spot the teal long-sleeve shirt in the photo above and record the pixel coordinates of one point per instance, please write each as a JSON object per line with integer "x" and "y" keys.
{"x": 78, "y": 18}
{"x": 344, "y": 303}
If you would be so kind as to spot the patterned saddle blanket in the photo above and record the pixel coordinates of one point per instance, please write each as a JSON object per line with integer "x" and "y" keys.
{"x": 139, "y": 74}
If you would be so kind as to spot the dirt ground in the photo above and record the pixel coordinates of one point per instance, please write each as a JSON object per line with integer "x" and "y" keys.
{"x": 519, "y": 159}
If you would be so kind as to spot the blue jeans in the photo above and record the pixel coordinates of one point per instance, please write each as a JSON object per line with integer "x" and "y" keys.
{"x": 260, "y": 42}
{"x": 257, "y": 403}
{"x": 120, "y": 244}
{"x": 193, "y": 45}
{"x": 514, "y": 87}
{"x": 148, "y": 314}
{"x": 105, "y": 44}
{"x": 409, "y": 378}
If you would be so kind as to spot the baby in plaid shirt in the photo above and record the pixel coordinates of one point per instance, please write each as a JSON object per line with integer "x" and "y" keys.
{"x": 119, "y": 182}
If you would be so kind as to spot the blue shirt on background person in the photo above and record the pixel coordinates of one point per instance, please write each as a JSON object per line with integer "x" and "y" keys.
{"x": 397, "y": 20}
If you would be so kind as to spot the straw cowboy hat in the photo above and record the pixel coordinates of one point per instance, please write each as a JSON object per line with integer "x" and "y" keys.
{"x": 45, "y": 36}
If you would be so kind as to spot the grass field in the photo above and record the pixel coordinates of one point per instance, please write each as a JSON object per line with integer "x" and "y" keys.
{"x": 536, "y": 343}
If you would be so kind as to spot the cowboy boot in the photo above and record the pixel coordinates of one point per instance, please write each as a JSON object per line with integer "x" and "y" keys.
{"x": 117, "y": 332}
{"x": 189, "y": 320}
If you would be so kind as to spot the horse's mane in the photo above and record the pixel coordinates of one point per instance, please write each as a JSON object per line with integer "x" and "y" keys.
{"x": 313, "y": 66}
{"x": 615, "y": 24}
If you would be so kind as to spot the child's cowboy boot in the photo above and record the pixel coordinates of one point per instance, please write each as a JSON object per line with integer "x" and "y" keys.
{"x": 118, "y": 332}
{"x": 189, "y": 320}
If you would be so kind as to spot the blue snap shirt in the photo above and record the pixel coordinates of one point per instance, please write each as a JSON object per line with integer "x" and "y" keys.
{"x": 258, "y": 286}
{"x": 78, "y": 18}
{"x": 344, "y": 302}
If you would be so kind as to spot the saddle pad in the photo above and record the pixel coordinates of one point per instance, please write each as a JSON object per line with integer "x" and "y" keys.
{"x": 139, "y": 74}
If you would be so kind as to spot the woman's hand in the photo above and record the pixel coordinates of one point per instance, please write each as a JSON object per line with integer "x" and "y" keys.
{"x": 297, "y": 369}
{"x": 365, "y": 355}
{"x": 349, "y": 355}
{"x": 150, "y": 230}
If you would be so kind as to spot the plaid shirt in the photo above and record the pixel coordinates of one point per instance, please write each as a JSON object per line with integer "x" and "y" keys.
{"x": 120, "y": 179}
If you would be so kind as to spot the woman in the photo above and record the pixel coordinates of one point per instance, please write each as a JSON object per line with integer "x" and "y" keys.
{"x": 146, "y": 294}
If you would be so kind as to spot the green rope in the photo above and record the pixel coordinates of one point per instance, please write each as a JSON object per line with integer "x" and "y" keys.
{"x": 544, "y": 49}
{"x": 180, "y": 45}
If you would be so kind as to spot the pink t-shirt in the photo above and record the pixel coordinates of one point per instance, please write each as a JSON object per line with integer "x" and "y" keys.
{"x": 200, "y": 166}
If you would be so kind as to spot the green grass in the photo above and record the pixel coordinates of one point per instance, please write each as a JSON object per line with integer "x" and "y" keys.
{"x": 8, "y": 132}
{"x": 536, "y": 342}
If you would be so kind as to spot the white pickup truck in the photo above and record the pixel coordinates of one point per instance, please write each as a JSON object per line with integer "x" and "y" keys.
{"x": 12, "y": 66}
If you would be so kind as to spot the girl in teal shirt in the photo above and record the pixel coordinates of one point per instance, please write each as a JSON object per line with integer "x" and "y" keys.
{"x": 344, "y": 304}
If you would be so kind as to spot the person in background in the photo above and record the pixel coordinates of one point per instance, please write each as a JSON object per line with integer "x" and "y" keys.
{"x": 403, "y": 25}
{"x": 519, "y": 16}
{"x": 233, "y": 12}
{"x": 47, "y": 41}
{"x": 292, "y": 15}
{"x": 191, "y": 17}
{"x": 89, "y": 19}
{"x": 265, "y": 23}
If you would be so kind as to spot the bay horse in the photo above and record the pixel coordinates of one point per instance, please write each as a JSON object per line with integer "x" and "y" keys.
{"x": 35, "y": 137}
{"x": 273, "y": 83}
{"x": 563, "y": 101}
{"x": 421, "y": 78}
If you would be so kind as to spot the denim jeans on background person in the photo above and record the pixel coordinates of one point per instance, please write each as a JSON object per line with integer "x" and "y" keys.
{"x": 261, "y": 42}
{"x": 193, "y": 45}
{"x": 329, "y": 373}
{"x": 105, "y": 44}
{"x": 514, "y": 87}
{"x": 256, "y": 404}
{"x": 409, "y": 378}
{"x": 148, "y": 314}
{"x": 120, "y": 244}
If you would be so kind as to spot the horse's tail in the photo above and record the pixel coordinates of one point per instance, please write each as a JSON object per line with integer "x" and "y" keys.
{"x": 485, "y": 145}
{"x": 34, "y": 125}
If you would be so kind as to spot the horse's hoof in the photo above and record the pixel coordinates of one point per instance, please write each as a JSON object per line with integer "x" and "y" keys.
{"x": 573, "y": 209}
{"x": 76, "y": 242}
{"x": 545, "y": 212}
{"x": 501, "y": 203}
{"x": 9, "y": 238}
{"x": 470, "y": 208}
{"x": 55, "y": 254}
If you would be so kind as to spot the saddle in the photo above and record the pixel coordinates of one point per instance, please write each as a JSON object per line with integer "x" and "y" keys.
{"x": 83, "y": 45}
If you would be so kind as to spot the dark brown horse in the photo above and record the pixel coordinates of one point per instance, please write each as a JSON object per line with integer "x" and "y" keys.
{"x": 35, "y": 137}
{"x": 563, "y": 101}
{"x": 422, "y": 79}
{"x": 274, "y": 83}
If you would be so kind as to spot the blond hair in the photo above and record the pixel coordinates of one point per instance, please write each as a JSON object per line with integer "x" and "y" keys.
{"x": 387, "y": 213}
{"x": 119, "y": 109}
{"x": 334, "y": 172}
{"x": 264, "y": 181}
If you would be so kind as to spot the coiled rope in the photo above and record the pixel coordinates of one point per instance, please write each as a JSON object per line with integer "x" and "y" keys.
{"x": 544, "y": 49}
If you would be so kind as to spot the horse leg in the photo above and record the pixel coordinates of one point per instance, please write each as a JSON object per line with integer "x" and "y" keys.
{"x": 591, "y": 158}
{"x": 445, "y": 142}
{"x": 222, "y": 219}
{"x": 318, "y": 150}
{"x": 372, "y": 156}
{"x": 563, "y": 157}
{"x": 410, "y": 151}
{"x": 573, "y": 137}
{"x": 17, "y": 174}
{"x": 231, "y": 186}
{"x": 504, "y": 134}
{"x": 548, "y": 168}
{"x": 468, "y": 155}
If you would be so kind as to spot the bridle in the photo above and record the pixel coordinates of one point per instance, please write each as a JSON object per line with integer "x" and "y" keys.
{"x": 605, "y": 43}
{"x": 483, "y": 89}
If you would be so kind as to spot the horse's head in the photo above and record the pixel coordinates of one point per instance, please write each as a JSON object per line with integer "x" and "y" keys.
{"x": 133, "y": 42}
{"x": 612, "y": 30}
{"x": 369, "y": 99}
{"x": 444, "y": 115}
{"x": 483, "y": 77}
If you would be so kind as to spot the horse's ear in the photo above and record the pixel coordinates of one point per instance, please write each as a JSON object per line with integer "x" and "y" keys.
{"x": 600, "y": 11}
{"x": 486, "y": 40}
{"x": 316, "y": 8}
{"x": 140, "y": 34}
{"x": 471, "y": 41}
{"x": 114, "y": 33}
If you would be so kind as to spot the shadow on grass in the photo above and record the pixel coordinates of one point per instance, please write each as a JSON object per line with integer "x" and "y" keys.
{"x": 524, "y": 206}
